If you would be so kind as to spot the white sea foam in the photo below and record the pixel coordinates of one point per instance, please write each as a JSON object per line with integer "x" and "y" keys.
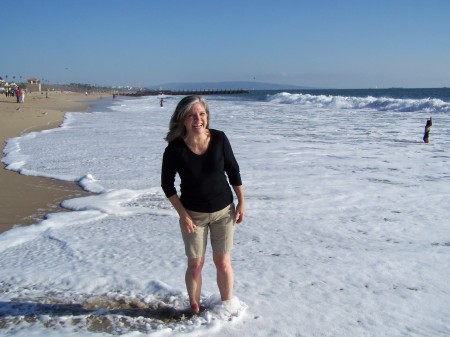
{"x": 346, "y": 229}
{"x": 428, "y": 105}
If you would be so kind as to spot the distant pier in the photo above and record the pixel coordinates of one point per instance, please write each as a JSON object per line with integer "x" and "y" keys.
{"x": 185, "y": 92}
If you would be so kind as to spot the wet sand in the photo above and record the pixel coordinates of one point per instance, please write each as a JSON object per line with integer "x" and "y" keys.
{"x": 25, "y": 200}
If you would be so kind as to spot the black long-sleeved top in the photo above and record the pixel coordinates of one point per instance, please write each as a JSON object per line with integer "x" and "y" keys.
{"x": 204, "y": 186}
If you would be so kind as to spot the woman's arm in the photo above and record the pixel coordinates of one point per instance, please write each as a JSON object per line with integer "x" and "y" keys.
{"x": 185, "y": 219}
{"x": 240, "y": 208}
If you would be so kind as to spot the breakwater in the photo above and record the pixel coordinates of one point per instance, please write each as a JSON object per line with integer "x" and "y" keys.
{"x": 185, "y": 92}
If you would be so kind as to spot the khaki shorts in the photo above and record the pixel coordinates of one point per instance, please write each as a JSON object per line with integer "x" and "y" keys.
{"x": 221, "y": 225}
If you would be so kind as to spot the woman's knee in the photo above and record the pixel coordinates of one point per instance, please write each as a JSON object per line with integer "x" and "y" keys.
{"x": 222, "y": 262}
{"x": 195, "y": 266}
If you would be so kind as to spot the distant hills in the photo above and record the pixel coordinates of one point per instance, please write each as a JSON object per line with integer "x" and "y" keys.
{"x": 246, "y": 85}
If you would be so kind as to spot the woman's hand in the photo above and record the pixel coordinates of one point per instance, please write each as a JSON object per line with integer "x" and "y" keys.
{"x": 187, "y": 224}
{"x": 240, "y": 208}
{"x": 240, "y": 213}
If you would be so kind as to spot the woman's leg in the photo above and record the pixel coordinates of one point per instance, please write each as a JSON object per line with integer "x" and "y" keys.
{"x": 194, "y": 282}
{"x": 225, "y": 277}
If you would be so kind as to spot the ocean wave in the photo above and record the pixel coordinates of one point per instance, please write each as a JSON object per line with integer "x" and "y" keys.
{"x": 426, "y": 105}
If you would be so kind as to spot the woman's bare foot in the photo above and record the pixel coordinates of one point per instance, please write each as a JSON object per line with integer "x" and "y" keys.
{"x": 195, "y": 308}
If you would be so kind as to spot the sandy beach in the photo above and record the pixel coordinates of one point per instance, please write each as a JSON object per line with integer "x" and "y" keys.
{"x": 25, "y": 200}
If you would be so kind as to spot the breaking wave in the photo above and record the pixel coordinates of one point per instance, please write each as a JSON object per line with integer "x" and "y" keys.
{"x": 426, "y": 105}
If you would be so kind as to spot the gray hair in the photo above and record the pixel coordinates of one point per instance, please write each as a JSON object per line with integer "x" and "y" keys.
{"x": 176, "y": 125}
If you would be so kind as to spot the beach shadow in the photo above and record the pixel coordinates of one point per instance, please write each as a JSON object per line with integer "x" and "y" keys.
{"x": 30, "y": 309}
{"x": 98, "y": 314}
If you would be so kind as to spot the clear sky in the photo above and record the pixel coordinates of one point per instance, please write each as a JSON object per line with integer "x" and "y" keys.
{"x": 317, "y": 43}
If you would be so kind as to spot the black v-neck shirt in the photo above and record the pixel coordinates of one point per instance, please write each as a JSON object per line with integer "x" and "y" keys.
{"x": 204, "y": 186}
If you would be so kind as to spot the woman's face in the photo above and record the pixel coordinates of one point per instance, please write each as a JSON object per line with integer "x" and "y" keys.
{"x": 196, "y": 120}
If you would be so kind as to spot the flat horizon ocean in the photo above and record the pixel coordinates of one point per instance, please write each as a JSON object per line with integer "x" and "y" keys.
{"x": 347, "y": 229}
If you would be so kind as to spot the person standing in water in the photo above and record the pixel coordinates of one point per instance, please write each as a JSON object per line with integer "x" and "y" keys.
{"x": 426, "y": 135}
{"x": 203, "y": 159}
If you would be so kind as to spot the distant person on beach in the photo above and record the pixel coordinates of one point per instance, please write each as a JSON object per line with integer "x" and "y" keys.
{"x": 201, "y": 157}
{"x": 18, "y": 95}
{"x": 426, "y": 135}
{"x": 161, "y": 102}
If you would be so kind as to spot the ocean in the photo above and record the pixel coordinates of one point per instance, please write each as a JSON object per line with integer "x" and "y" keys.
{"x": 346, "y": 230}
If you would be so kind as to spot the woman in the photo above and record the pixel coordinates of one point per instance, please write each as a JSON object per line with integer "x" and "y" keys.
{"x": 201, "y": 157}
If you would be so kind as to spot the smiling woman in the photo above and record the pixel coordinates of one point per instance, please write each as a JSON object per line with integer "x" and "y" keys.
{"x": 201, "y": 157}
{"x": 198, "y": 136}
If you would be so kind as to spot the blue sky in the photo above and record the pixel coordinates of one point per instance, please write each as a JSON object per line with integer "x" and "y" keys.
{"x": 317, "y": 43}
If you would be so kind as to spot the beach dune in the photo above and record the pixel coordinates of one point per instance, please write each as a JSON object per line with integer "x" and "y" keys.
{"x": 25, "y": 200}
